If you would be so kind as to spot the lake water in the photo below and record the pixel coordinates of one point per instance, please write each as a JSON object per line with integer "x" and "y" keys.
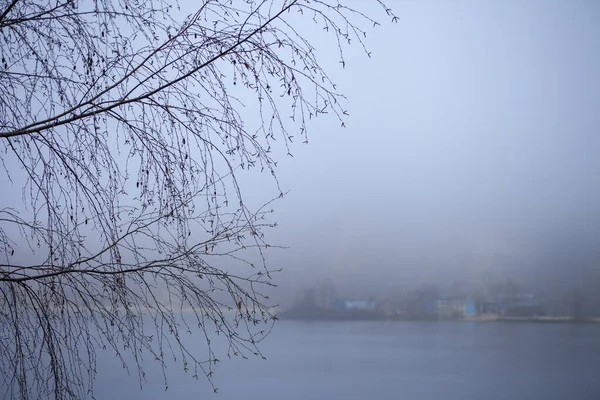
{"x": 395, "y": 360}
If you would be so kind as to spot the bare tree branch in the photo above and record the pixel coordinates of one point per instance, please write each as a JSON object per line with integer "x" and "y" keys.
{"x": 127, "y": 126}
{"x": 7, "y": 10}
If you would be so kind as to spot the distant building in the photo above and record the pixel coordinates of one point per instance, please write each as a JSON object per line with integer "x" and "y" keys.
{"x": 523, "y": 305}
{"x": 454, "y": 309}
{"x": 325, "y": 295}
{"x": 471, "y": 308}
{"x": 355, "y": 305}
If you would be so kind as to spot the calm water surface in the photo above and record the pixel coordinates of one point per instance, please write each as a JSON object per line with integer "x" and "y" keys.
{"x": 398, "y": 360}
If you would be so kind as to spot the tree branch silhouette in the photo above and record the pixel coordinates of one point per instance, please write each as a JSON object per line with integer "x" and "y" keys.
{"x": 129, "y": 127}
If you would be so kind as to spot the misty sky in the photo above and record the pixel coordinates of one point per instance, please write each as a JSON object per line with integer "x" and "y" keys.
{"x": 472, "y": 146}
{"x": 469, "y": 153}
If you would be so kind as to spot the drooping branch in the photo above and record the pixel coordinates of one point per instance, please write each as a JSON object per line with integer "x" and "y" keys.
{"x": 127, "y": 126}
{"x": 71, "y": 115}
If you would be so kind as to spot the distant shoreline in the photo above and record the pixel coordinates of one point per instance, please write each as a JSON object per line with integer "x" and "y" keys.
{"x": 356, "y": 317}
{"x": 590, "y": 321}
{"x": 549, "y": 320}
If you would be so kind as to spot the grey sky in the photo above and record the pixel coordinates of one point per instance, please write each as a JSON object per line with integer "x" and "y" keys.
{"x": 473, "y": 137}
{"x": 470, "y": 150}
